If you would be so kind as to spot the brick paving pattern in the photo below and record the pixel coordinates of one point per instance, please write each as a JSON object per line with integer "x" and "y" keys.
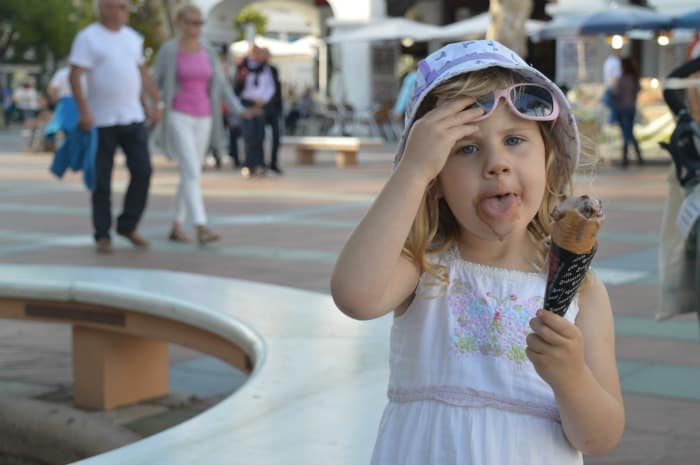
{"x": 288, "y": 230}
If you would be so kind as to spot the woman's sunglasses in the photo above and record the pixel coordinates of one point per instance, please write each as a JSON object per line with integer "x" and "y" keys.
{"x": 194, "y": 22}
{"x": 529, "y": 101}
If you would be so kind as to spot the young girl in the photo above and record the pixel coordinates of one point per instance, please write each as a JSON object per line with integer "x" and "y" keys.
{"x": 455, "y": 245}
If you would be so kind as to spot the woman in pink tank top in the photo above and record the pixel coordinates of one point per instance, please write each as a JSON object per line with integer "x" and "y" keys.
{"x": 191, "y": 81}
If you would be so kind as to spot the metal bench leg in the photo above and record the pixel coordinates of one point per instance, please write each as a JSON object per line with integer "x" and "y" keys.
{"x": 346, "y": 158}
{"x": 305, "y": 156}
{"x": 112, "y": 369}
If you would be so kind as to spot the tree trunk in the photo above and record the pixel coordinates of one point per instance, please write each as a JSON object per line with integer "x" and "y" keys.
{"x": 507, "y": 26}
{"x": 169, "y": 17}
{"x": 6, "y": 38}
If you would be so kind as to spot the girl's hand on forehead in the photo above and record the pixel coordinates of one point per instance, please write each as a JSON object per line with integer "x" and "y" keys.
{"x": 433, "y": 136}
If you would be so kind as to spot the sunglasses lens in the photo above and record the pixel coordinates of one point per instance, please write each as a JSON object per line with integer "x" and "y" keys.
{"x": 485, "y": 102}
{"x": 532, "y": 101}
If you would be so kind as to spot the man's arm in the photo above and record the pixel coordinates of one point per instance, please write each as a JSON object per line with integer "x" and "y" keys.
{"x": 86, "y": 120}
{"x": 155, "y": 112}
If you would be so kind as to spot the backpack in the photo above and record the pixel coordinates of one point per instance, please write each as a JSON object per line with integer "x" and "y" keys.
{"x": 684, "y": 148}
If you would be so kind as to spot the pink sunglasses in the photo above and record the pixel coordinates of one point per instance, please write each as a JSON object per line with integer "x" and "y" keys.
{"x": 529, "y": 101}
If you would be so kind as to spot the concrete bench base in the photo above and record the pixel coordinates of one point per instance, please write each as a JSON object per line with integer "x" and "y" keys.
{"x": 120, "y": 357}
{"x": 112, "y": 369}
{"x": 346, "y": 148}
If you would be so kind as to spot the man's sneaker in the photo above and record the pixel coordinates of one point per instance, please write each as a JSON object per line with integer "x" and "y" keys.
{"x": 277, "y": 170}
{"x": 104, "y": 245}
{"x": 135, "y": 238}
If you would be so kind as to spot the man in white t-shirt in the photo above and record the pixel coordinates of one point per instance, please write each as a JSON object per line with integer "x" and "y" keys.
{"x": 110, "y": 54}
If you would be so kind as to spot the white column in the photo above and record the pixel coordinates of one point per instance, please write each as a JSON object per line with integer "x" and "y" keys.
{"x": 355, "y": 58}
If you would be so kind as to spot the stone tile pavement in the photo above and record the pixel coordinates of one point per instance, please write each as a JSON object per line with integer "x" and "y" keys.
{"x": 288, "y": 230}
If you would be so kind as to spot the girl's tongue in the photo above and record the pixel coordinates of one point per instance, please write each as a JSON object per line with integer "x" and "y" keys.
{"x": 499, "y": 213}
{"x": 498, "y": 206}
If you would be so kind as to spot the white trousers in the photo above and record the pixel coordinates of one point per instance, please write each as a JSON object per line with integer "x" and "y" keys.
{"x": 192, "y": 135}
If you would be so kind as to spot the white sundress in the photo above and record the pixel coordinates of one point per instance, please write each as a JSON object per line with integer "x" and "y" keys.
{"x": 462, "y": 390}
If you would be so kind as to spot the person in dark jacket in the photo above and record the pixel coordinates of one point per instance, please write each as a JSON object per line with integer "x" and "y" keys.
{"x": 273, "y": 114}
{"x": 257, "y": 85}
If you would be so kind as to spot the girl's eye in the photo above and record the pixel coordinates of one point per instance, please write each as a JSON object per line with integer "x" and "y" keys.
{"x": 466, "y": 149}
{"x": 513, "y": 140}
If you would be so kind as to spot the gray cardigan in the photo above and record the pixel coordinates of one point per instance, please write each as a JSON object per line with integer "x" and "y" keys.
{"x": 164, "y": 76}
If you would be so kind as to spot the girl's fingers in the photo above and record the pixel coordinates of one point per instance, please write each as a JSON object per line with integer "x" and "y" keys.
{"x": 463, "y": 117}
{"x": 545, "y": 332}
{"x": 461, "y": 131}
{"x": 558, "y": 324}
{"x": 447, "y": 109}
{"x": 536, "y": 344}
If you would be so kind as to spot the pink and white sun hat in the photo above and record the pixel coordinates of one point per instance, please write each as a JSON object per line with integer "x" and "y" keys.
{"x": 464, "y": 57}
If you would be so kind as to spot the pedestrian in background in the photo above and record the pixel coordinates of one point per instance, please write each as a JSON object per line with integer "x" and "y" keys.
{"x": 612, "y": 70}
{"x": 407, "y": 83}
{"x": 26, "y": 99}
{"x": 190, "y": 78}
{"x": 65, "y": 114}
{"x": 624, "y": 94}
{"x": 110, "y": 54}
{"x": 273, "y": 114}
{"x": 693, "y": 93}
{"x": 255, "y": 86}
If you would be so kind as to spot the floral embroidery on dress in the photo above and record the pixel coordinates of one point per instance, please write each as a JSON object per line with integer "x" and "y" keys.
{"x": 490, "y": 324}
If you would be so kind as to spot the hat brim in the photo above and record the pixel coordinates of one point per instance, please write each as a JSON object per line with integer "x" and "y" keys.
{"x": 565, "y": 129}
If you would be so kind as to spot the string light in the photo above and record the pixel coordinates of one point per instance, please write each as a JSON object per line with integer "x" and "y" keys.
{"x": 663, "y": 38}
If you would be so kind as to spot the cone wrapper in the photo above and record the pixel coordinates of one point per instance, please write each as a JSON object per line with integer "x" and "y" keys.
{"x": 574, "y": 244}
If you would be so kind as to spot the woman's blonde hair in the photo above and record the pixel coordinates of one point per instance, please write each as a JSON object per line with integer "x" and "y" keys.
{"x": 183, "y": 11}
{"x": 435, "y": 228}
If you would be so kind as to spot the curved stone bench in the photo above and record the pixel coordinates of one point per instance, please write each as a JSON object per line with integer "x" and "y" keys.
{"x": 317, "y": 382}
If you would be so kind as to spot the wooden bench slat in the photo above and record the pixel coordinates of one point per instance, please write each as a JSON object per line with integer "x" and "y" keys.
{"x": 346, "y": 147}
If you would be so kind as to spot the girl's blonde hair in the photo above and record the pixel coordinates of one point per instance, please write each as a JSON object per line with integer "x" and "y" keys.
{"x": 435, "y": 228}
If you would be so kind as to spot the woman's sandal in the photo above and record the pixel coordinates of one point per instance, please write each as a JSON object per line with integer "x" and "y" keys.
{"x": 176, "y": 235}
{"x": 206, "y": 235}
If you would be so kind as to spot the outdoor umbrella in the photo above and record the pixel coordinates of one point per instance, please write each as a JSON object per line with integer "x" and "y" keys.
{"x": 277, "y": 48}
{"x": 385, "y": 29}
{"x": 687, "y": 21}
{"x": 476, "y": 26}
{"x": 561, "y": 26}
{"x": 617, "y": 19}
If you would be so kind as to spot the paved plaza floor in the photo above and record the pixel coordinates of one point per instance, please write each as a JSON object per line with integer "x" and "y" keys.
{"x": 288, "y": 230}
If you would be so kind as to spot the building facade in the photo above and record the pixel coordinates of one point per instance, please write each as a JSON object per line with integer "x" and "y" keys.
{"x": 368, "y": 71}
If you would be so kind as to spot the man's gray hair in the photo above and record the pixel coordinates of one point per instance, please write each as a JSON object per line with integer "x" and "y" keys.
{"x": 96, "y": 6}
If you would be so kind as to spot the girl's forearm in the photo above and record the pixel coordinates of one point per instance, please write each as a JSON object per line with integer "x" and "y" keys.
{"x": 365, "y": 265}
{"x": 593, "y": 419}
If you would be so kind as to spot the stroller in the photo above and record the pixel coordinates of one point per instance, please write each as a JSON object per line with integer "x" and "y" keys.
{"x": 679, "y": 257}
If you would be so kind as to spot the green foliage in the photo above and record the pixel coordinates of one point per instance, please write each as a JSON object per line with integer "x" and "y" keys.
{"x": 43, "y": 25}
{"x": 51, "y": 25}
{"x": 250, "y": 14}
{"x": 147, "y": 17}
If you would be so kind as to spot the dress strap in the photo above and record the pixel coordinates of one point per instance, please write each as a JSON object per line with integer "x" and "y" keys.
{"x": 468, "y": 397}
